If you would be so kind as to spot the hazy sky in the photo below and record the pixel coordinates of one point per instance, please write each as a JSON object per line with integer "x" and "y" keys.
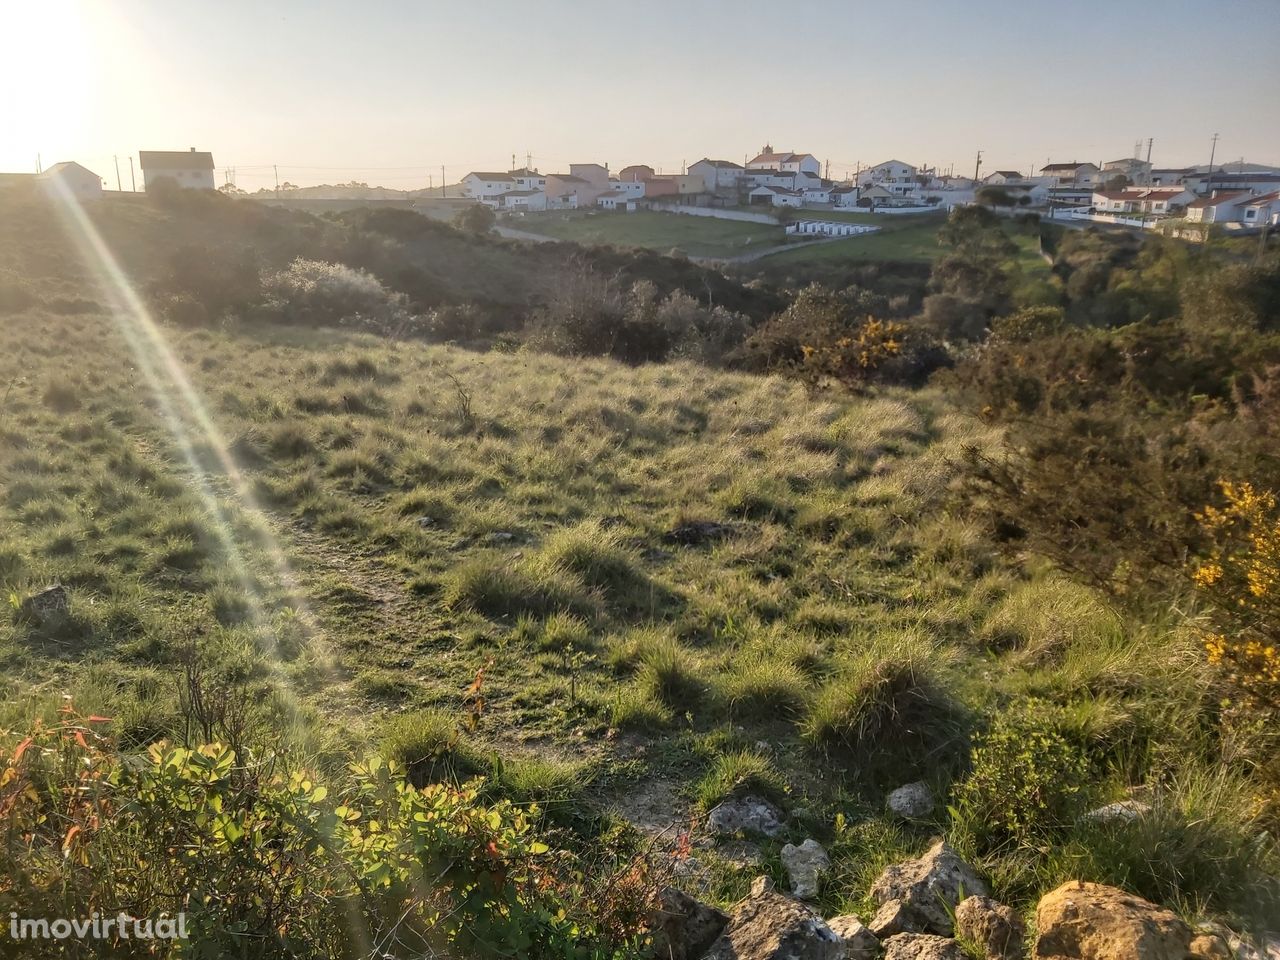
{"x": 387, "y": 92}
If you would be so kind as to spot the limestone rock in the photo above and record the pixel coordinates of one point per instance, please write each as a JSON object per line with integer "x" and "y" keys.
{"x": 48, "y": 606}
{"x": 859, "y": 942}
{"x": 911, "y": 802}
{"x": 682, "y": 928}
{"x": 761, "y": 885}
{"x": 931, "y": 886}
{"x": 993, "y": 926}
{"x": 748, "y": 814}
{"x": 1210, "y": 946}
{"x": 805, "y": 865}
{"x": 773, "y": 927}
{"x": 1090, "y": 921}
{"x": 1122, "y": 811}
{"x": 895, "y": 917}
{"x": 922, "y": 946}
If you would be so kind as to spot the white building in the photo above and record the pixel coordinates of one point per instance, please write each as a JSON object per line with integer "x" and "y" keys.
{"x": 617, "y": 200}
{"x": 1001, "y": 178}
{"x": 1072, "y": 174}
{"x": 521, "y": 200}
{"x": 1159, "y": 201}
{"x": 192, "y": 170}
{"x": 483, "y": 186}
{"x": 70, "y": 180}
{"x": 628, "y": 188}
{"x": 776, "y": 196}
{"x": 768, "y": 159}
{"x": 1240, "y": 208}
{"x": 718, "y": 175}
{"x": 893, "y": 175}
{"x": 845, "y": 196}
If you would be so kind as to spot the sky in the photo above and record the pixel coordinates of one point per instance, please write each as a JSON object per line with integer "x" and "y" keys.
{"x": 389, "y": 91}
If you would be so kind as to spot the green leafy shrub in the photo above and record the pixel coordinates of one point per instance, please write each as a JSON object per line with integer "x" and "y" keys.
{"x": 1026, "y": 781}
{"x": 316, "y": 293}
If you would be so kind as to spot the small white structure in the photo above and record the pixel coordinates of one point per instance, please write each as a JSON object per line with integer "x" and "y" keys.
{"x": 818, "y": 194}
{"x": 70, "y": 180}
{"x": 845, "y": 196}
{"x": 893, "y": 175}
{"x": 829, "y": 228}
{"x": 628, "y": 188}
{"x": 617, "y": 200}
{"x": 1001, "y": 178}
{"x": 521, "y": 200}
{"x": 777, "y": 196}
{"x": 192, "y": 170}
{"x": 1158, "y": 201}
{"x": 1072, "y": 174}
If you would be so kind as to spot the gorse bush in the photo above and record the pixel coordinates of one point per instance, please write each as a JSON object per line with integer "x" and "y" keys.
{"x": 313, "y": 292}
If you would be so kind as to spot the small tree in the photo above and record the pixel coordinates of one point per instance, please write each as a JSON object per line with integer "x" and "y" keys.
{"x": 477, "y": 218}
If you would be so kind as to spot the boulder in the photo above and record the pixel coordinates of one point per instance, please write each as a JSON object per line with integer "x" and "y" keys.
{"x": 922, "y": 946}
{"x": 931, "y": 887}
{"x": 48, "y": 606}
{"x": 682, "y": 928}
{"x": 996, "y": 928}
{"x": 745, "y": 815}
{"x": 770, "y": 926}
{"x": 914, "y": 801}
{"x": 859, "y": 942}
{"x": 805, "y": 865}
{"x": 895, "y": 917}
{"x": 1210, "y": 946}
{"x": 761, "y": 885}
{"x": 1090, "y": 921}
{"x": 1122, "y": 811}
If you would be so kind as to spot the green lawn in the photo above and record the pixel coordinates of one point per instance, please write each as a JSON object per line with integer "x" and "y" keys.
{"x": 900, "y": 238}
{"x": 696, "y": 236}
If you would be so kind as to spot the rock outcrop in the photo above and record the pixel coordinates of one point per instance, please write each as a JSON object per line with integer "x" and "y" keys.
{"x": 682, "y": 928}
{"x": 911, "y": 802}
{"x": 770, "y": 926}
{"x": 859, "y": 942}
{"x": 48, "y": 606}
{"x": 748, "y": 814}
{"x": 1090, "y": 921}
{"x": 805, "y": 865}
{"x": 994, "y": 927}
{"x": 923, "y": 946}
{"x": 930, "y": 887}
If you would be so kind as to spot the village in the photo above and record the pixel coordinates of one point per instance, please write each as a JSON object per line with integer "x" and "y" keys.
{"x": 790, "y": 187}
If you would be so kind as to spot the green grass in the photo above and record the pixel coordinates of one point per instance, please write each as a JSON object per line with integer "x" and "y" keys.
{"x": 378, "y": 568}
{"x": 656, "y": 230}
{"x": 911, "y": 237}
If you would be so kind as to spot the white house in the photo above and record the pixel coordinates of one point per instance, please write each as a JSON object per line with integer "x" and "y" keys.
{"x": 818, "y": 194}
{"x": 617, "y": 200}
{"x": 845, "y": 196}
{"x": 768, "y": 159}
{"x": 526, "y": 179}
{"x": 717, "y": 174}
{"x": 1262, "y": 210}
{"x": 1001, "y": 178}
{"x": 893, "y": 175}
{"x": 628, "y": 188}
{"x": 1072, "y": 174}
{"x": 484, "y": 186}
{"x": 1219, "y": 207}
{"x": 520, "y": 200}
{"x": 192, "y": 170}
{"x": 70, "y": 180}
{"x": 1159, "y": 201}
{"x": 777, "y": 196}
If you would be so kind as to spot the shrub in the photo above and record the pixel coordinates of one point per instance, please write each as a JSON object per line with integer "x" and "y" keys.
{"x": 1025, "y": 781}
{"x": 429, "y": 745}
{"x": 316, "y": 293}
{"x": 761, "y": 685}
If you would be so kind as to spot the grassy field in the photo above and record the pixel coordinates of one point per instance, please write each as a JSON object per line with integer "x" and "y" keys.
{"x": 625, "y": 592}
{"x": 695, "y": 236}
{"x": 911, "y": 238}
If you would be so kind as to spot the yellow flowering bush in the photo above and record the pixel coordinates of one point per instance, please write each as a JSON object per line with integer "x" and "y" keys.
{"x": 1242, "y": 575}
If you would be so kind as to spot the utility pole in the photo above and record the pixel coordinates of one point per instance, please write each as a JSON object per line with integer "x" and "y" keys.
{"x": 276, "y": 170}
{"x": 443, "y": 192}
{"x": 977, "y": 165}
{"x": 513, "y": 159}
{"x": 116, "y": 161}
{"x": 133, "y": 184}
{"x": 1212, "y": 152}
{"x": 827, "y": 175}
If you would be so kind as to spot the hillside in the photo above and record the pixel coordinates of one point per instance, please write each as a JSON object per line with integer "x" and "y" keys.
{"x": 621, "y": 593}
